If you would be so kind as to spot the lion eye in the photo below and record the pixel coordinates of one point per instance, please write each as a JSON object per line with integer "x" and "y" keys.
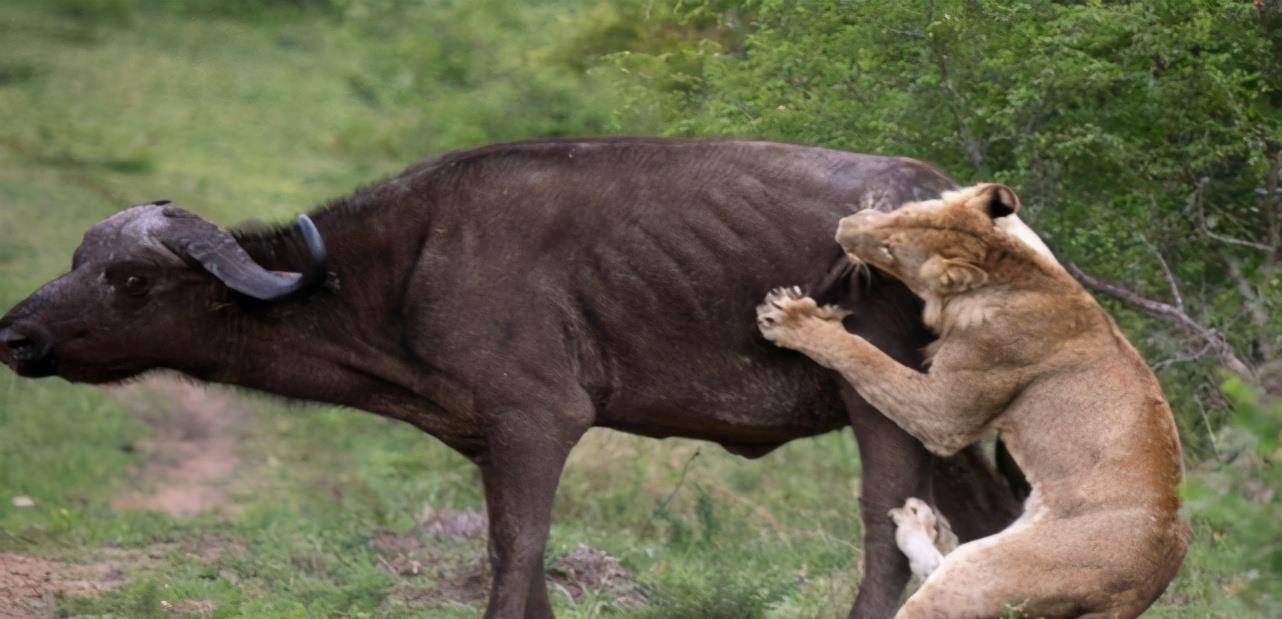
{"x": 135, "y": 285}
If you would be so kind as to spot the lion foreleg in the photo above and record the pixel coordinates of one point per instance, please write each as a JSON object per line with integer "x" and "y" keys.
{"x": 944, "y": 412}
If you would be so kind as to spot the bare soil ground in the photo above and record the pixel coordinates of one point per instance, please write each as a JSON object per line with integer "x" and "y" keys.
{"x": 188, "y": 467}
{"x": 188, "y": 460}
{"x": 193, "y": 448}
{"x": 442, "y": 559}
{"x": 30, "y": 586}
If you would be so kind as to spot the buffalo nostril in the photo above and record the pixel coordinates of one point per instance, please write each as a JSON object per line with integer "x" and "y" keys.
{"x": 14, "y": 341}
{"x": 20, "y": 345}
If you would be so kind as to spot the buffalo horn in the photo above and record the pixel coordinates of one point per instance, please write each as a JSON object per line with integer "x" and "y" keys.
{"x": 219, "y": 254}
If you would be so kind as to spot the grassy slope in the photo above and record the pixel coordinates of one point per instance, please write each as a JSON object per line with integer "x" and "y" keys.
{"x": 236, "y": 121}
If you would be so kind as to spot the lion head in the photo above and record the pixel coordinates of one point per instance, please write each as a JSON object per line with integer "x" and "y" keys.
{"x": 941, "y": 247}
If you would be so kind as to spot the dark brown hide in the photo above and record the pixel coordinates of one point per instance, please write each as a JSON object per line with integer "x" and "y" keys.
{"x": 506, "y": 299}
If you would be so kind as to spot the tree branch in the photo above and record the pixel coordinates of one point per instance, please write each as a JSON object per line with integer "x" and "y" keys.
{"x": 1165, "y": 363}
{"x": 1171, "y": 314}
{"x": 1194, "y": 204}
{"x": 1166, "y": 270}
{"x": 1272, "y": 201}
{"x": 1255, "y": 304}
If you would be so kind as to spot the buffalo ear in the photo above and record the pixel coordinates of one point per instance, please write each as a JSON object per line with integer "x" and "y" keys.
{"x": 995, "y": 200}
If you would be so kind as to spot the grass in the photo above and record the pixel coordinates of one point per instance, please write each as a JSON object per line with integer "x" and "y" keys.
{"x": 235, "y": 120}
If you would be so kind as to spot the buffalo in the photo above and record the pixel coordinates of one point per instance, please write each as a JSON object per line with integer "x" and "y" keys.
{"x": 505, "y": 299}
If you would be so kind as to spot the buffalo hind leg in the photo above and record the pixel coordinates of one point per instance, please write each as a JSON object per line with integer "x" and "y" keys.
{"x": 520, "y": 472}
{"x": 894, "y": 466}
{"x": 977, "y": 500}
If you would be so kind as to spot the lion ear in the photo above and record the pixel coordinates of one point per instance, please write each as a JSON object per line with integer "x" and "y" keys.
{"x": 951, "y": 276}
{"x": 995, "y": 200}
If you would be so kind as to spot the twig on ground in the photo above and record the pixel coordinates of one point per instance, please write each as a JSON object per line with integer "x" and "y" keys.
{"x": 663, "y": 505}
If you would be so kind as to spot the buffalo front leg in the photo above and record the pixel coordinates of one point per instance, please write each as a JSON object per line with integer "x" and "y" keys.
{"x": 520, "y": 471}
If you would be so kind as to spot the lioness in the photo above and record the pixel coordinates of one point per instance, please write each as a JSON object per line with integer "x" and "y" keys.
{"x": 1022, "y": 349}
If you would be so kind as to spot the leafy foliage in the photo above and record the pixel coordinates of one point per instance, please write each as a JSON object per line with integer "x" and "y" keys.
{"x": 1139, "y": 134}
{"x": 1237, "y": 498}
{"x": 1144, "y": 138}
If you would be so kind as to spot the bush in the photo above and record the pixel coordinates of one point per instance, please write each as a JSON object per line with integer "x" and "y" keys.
{"x": 1238, "y": 500}
{"x": 1138, "y": 134}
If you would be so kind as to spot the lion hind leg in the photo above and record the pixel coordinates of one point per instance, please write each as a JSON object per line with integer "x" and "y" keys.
{"x": 923, "y": 535}
{"x": 1053, "y": 568}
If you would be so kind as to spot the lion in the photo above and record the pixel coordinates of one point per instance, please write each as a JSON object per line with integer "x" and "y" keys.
{"x": 1025, "y": 351}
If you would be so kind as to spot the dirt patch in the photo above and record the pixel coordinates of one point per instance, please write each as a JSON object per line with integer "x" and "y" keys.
{"x": 193, "y": 448}
{"x": 441, "y": 560}
{"x": 189, "y": 607}
{"x": 30, "y": 586}
{"x": 453, "y": 524}
{"x": 587, "y": 570}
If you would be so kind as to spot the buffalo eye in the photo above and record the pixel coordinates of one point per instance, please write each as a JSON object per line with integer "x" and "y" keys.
{"x": 135, "y": 285}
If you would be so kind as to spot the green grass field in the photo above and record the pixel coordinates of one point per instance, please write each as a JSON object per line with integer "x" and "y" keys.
{"x": 319, "y": 512}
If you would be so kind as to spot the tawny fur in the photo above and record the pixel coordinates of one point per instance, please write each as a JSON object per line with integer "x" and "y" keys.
{"x": 1026, "y": 351}
{"x": 923, "y": 535}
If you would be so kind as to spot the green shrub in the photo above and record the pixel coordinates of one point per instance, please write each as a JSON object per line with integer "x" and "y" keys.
{"x": 1238, "y": 500}
{"x": 1137, "y": 133}
{"x": 97, "y": 12}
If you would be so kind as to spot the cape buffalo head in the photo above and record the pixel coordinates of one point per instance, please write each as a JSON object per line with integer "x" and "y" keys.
{"x": 139, "y": 295}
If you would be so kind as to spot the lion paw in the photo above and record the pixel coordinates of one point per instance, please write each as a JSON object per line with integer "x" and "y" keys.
{"x": 786, "y": 311}
{"x": 923, "y": 535}
{"x": 916, "y": 517}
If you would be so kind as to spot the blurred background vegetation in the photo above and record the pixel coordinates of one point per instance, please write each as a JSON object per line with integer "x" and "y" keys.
{"x": 1143, "y": 137}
